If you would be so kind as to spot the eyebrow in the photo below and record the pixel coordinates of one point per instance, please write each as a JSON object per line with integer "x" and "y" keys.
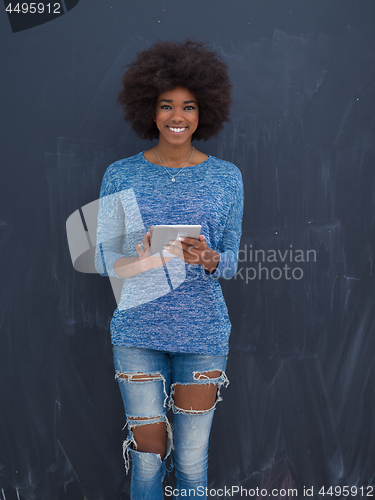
{"x": 171, "y": 100}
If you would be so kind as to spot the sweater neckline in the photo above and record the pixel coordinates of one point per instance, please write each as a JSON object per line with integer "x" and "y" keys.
{"x": 173, "y": 168}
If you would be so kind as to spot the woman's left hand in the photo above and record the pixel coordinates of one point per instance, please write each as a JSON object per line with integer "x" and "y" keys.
{"x": 195, "y": 252}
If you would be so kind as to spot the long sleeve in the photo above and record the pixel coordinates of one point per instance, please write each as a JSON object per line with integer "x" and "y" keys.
{"x": 110, "y": 229}
{"x": 228, "y": 250}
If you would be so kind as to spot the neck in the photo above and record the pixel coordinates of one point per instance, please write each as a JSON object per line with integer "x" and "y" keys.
{"x": 174, "y": 156}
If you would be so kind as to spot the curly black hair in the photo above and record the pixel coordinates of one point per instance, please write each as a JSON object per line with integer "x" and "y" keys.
{"x": 166, "y": 65}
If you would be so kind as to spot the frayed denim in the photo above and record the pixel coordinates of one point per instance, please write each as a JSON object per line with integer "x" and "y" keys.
{"x": 150, "y": 398}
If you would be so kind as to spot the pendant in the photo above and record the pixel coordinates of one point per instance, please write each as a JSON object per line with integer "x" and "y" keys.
{"x": 173, "y": 180}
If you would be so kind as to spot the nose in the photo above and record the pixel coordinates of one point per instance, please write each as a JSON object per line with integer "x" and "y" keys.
{"x": 177, "y": 115}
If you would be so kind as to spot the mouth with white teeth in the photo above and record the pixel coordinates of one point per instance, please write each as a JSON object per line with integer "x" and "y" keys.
{"x": 177, "y": 130}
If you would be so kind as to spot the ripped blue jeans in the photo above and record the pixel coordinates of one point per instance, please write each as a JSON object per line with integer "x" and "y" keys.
{"x": 150, "y": 398}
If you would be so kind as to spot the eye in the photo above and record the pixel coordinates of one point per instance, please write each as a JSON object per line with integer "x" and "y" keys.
{"x": 190, "y": 107}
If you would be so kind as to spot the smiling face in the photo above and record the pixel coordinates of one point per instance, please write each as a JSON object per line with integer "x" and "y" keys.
{"x": 176, "y": 116}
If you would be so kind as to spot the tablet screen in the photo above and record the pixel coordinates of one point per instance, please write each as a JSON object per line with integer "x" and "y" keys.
{"x": 162, "y": 235}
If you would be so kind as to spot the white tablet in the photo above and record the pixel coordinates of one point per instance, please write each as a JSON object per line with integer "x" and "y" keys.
{"x": 162, "y": 235}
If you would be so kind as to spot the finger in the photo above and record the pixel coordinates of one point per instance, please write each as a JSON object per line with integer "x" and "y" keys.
{"x": 145, "y": 241}
{"x": 198, "y": 243}
{"x": 189, "y": 241}
{"x": 139, "y": 250}
{"x": 150, "y": 234}
{"x": 182, "y": 244}
{"x": 173, "y": 248}
{"x": 203, "y": 241}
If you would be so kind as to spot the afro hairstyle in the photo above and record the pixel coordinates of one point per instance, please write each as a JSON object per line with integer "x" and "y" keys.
{"x": 166, "y": 65}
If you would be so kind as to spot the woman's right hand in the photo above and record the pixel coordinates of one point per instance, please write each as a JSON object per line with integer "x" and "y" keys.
{"x": 146, "y": 261}
{"x": 125, "y": 267}
{"x": 146, "y": 243}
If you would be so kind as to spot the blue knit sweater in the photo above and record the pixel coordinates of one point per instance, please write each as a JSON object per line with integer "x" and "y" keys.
{"x": 178, "y": 307}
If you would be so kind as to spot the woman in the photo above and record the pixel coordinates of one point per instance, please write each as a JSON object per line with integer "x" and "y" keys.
{"x": 171, "y": 328}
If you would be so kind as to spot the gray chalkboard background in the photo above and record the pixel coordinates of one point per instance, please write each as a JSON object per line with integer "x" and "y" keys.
{"x": 300, "y": 409}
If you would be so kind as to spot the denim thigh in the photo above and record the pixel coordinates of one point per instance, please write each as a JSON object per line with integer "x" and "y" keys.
{"x": 146, "y": 397}
{"x": 189, "y": 368}
{"x": 149, "y": 397}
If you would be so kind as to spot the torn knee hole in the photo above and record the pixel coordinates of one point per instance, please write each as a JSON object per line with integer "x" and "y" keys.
{"x": 143, "y": 377}
{"x": 207, "y": 375}
{"x": 136, "y": 422}
{"x": 138, "y": 419}
{"x": 191, "y": 411}
{"x": 194, "y": 397}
